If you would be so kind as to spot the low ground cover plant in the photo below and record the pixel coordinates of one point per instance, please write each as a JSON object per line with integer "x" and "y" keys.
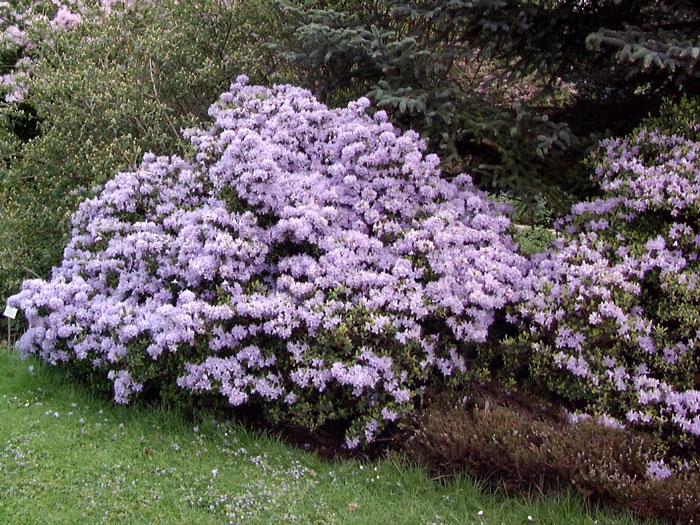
{"x": 523, "y": 446}
{"x": 308, "y": 261}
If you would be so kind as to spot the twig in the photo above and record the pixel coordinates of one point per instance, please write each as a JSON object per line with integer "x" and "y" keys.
{"x": 155, "y": 93}
{"x": 32, "y": 272}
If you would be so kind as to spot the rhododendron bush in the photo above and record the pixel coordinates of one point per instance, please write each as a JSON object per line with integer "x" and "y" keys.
{"x": 612, "y": 320}
{"x": 306, "y": 261}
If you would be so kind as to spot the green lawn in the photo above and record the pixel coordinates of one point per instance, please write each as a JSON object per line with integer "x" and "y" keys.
{"x": 66, "y": 457}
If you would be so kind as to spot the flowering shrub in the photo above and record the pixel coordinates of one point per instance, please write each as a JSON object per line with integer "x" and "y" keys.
{"x": 612, "y": 320}
{"x": 85, "y": 118}
{"x": 308, "y": 261}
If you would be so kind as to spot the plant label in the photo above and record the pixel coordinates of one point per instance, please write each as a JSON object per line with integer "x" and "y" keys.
{"x": 10, "y": 311}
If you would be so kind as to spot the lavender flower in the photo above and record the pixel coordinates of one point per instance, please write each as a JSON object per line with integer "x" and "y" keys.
{"x": 301, "y": 253}
{"x": 609, "y": 315}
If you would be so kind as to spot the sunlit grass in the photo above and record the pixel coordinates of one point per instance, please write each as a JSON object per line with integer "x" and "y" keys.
{"x": 67, "y": 457}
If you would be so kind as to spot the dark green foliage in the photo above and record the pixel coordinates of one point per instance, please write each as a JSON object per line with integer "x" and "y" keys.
{"x": 438, "y": 66}
{"x": 660, "y": 45}
{"x": 415, "y": 65}
{"x": 646, "y": 46}
{"x": 677, "y": 118}
{"x": 533, "y": 239}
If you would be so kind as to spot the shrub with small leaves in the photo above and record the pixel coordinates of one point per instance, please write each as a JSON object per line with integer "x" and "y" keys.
{"x": 612, "y": 321}
{"x": 306, "y": 261}
{"x": 525, "y": 447}
{"x": 677, "y": 118}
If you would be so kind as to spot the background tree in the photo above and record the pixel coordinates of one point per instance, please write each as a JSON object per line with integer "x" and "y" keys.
{"x": 575, "y": 71}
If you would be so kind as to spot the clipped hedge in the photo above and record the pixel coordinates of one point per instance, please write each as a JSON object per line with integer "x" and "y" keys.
{"x": 306, "y": 261}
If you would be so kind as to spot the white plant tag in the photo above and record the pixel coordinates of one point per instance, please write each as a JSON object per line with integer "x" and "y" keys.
{"x": 10, "y": 311}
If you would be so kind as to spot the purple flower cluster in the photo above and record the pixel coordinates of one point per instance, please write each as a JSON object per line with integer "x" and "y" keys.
{"x": 658, "y": 470}
{"x": 303, "y": 257}
{"x": 612, "y": 313}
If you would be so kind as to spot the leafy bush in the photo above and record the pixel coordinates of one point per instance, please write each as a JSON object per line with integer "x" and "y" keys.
{"x": 533, "y": 239}
{"x": 677, "y": 118}
{"x": 612, "y": 323}
{"x": 307, "y": 261}
{"x": 102, "y": 94}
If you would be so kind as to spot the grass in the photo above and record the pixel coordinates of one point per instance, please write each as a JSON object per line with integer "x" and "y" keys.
{"x": 68, "y": 457}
